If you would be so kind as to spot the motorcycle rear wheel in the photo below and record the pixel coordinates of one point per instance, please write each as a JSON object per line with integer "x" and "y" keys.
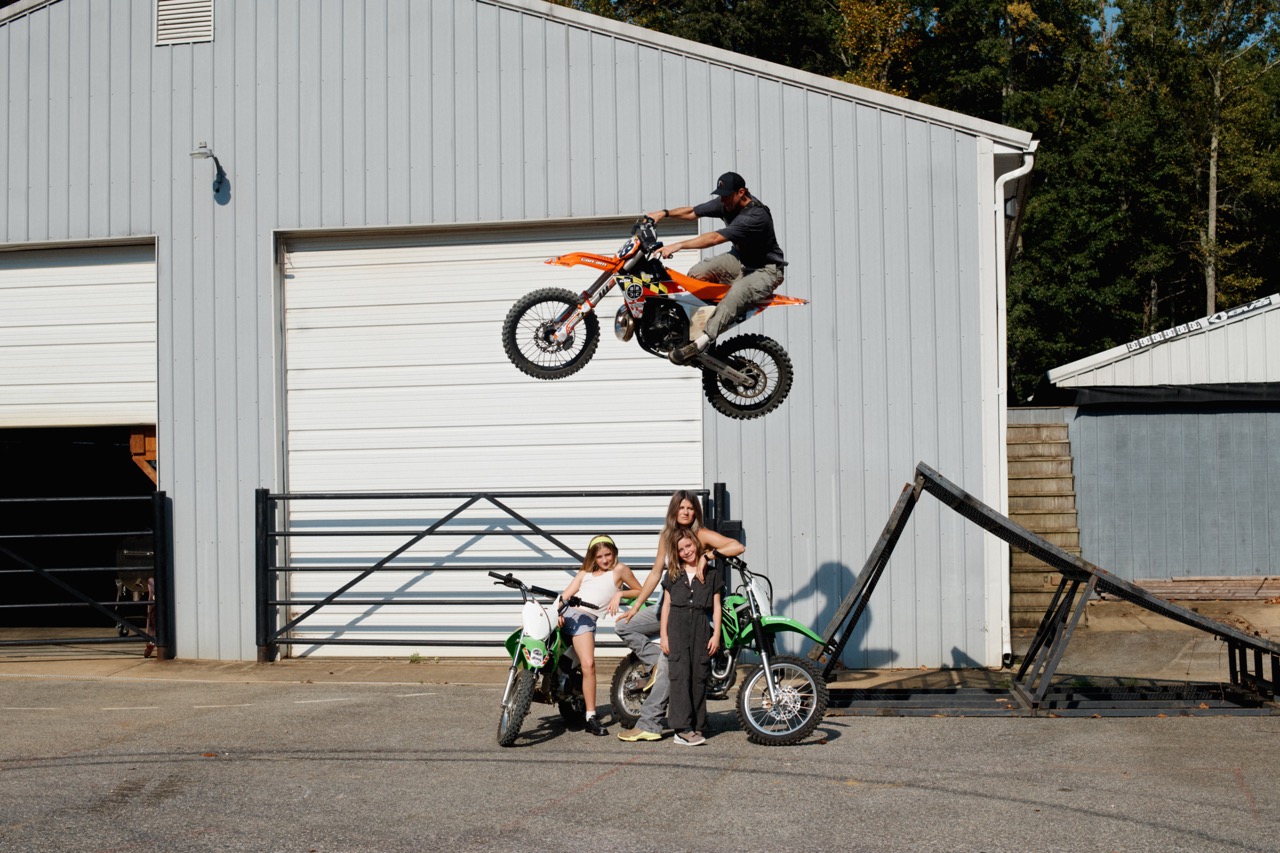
{"x": 763, "y": 359}
{"x": 802, "y": 702}
{"x": 527, "y": 335}
{"x": 627, "y": 693}
{"x": 514, "y": 712}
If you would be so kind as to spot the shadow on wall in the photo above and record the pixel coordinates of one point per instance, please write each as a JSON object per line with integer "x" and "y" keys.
{"x": 960, "y": 660}
{"x": 828, "y": 578}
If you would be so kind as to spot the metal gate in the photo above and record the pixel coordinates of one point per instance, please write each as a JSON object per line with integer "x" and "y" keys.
{"x": 53, "y": 548}
{"x": 519, "y": 515}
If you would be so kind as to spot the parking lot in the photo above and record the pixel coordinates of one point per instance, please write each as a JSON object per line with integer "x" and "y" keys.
{"x": 217, "y": 759}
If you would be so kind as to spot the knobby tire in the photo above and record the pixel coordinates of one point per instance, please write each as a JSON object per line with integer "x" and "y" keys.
{"x": 760, "y": 356}
{"x": 527, "y": 335}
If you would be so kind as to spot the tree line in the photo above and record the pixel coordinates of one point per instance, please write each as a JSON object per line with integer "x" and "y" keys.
{"x": 1156, "y": 190}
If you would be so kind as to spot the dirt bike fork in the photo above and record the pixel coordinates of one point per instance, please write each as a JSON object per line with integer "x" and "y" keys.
{"x": 568, "y": 320}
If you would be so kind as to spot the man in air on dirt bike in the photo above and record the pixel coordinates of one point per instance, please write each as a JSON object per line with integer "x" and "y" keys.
{"x": 753, "y": 268}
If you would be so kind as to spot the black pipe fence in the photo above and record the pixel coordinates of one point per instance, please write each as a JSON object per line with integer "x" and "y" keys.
{"x": 53, "y": 563}
{"x": 289, "y": 527}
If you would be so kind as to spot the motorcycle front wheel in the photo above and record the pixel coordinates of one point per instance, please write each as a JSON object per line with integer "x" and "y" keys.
{"x": 801, "y": 702}
{"x": 627, "y": 693}
{"x": 528, "y": 335}
{"x": 758, "y": 357}
{"x": 516, "y": 707}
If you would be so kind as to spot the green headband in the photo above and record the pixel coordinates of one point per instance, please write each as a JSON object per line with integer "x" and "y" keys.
{"x": 602, "y": 540}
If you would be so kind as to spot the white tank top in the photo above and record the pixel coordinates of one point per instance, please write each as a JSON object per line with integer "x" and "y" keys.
{"x": 597, "y": 589}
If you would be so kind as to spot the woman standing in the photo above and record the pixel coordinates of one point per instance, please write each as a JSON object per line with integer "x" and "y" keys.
{"x": 639, "y": 629}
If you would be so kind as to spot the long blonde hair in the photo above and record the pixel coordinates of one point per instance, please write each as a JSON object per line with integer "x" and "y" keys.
{"x": 672, "y": 543}
{"x": 589, "y": 564}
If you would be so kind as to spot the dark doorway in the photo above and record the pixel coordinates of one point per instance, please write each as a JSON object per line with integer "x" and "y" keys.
{"x": 71, "y": 462}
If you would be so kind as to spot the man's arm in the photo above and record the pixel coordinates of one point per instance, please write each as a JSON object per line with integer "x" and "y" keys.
{"x": 675, "y": 213}
{"x": 702, "y": 241}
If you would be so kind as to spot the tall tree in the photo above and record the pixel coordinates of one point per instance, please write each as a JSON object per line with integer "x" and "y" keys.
{"x": 1206, "y": 64}
{"x": 877, "y": 40}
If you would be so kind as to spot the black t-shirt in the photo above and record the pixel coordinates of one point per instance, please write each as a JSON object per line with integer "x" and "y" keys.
{"x": 750, "y": 230}
{"x": 699, "y": 595}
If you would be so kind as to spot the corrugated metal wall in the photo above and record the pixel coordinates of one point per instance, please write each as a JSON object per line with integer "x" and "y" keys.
{"x": 353, "y": 113}
{"x": 1165, "y": 493}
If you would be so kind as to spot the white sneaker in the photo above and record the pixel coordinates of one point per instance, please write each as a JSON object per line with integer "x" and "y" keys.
{"x": 689, "y": 739}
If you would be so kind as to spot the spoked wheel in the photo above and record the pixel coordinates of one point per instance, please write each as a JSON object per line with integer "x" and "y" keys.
{"x": 801, "y": 701}
{"x": 627, "y": 694}
{"x": 528, "y": 335}
{"x": 764, "y": 362}
{"x": 516, "y": 707}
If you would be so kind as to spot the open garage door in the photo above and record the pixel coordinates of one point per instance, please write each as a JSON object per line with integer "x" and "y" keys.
{"x": 78, "y": 337}
{"x": 396, "y": 381}
{"x": 77, "y": 421}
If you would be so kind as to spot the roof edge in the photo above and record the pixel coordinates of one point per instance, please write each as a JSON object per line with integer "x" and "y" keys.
{"x": 1202, "y": 326}
{"x": 23, "y": 7}
{"x": 1019, "y": 140}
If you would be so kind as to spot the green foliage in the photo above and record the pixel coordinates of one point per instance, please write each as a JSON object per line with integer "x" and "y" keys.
{"x": 1157, "y": 180}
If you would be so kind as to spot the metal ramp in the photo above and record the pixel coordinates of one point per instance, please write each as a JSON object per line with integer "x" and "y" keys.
{"x": 1033, "y": 686}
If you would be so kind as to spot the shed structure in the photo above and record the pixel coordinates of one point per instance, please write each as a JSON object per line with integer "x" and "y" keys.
{"x": 336, "y": 201}
{"x": 1174, "y": 441}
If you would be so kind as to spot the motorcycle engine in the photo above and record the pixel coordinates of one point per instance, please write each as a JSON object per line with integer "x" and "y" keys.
{"x": 664, "y": 325}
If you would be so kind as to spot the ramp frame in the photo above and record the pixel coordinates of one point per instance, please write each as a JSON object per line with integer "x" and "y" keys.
{"x": 1081, "y": 580}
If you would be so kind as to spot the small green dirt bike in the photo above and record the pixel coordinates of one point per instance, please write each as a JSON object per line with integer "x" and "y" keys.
{"x": 544, "y": 665}
{"x": 781, "y": 700}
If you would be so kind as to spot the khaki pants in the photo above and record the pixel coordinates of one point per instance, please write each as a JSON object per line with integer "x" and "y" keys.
{"x": 747, "y": 287}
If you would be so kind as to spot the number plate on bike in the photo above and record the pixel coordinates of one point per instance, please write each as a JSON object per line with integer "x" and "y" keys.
{"x": 535, "y": 657}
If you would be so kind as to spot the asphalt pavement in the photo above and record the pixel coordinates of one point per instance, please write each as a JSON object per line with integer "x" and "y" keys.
{"x": 103, "y": 751}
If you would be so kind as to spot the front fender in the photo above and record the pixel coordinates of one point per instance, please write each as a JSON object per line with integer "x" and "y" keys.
{"x": 514, "y": 645}
{"x": 774, "y": 625}
{"x": 587, "y": 259}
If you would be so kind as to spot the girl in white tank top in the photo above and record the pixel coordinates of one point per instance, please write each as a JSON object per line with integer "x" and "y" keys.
{"x": 600, "y": 576}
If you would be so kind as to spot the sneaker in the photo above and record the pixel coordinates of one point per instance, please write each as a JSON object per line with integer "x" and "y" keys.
{"x": 653, "y": 677}
{"x": 685, "y": 354}
{"x": 594, "y": 727}
{"x": 689, "y": 739}
{"x": 633, "y": 735}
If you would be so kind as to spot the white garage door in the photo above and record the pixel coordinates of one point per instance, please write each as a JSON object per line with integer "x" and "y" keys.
{"x": 396, "y": 381}
{"x": 78, "y": 337}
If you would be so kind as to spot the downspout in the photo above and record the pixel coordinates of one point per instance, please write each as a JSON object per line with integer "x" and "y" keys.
{"x": 1007, "y": 242}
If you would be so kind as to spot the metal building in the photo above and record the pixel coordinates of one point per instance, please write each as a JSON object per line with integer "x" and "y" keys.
{"x": 1175, "y": 441}
{"x": 329, "y": 206}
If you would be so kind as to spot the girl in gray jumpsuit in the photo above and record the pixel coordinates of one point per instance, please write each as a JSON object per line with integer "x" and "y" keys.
{"x": 690, "y": 633}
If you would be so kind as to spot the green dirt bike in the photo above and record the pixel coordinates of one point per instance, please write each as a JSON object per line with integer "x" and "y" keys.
{"x": 544, "y": 665}
{"x": 782, "y": 699}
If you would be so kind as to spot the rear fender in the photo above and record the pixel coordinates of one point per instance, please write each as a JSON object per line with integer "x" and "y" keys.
{"x": 713, "y": 292}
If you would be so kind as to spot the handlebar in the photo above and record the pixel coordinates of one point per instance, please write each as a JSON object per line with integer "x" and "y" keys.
{"x": 644, "y": 229}
{"x": 514, "y": 582}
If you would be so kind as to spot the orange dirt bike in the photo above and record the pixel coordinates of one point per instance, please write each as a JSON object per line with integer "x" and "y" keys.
{"x": 552, "y": 333}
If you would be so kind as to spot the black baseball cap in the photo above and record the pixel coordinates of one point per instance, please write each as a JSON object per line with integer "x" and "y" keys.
{"x": 729, "y": 183}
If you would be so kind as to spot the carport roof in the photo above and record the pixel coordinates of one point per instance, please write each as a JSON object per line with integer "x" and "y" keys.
{"x": 1237, "y": 349}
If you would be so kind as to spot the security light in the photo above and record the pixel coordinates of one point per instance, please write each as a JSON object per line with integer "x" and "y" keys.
{"x": 204, "y": 152}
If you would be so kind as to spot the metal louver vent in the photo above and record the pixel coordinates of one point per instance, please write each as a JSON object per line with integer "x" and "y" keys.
{"x": 183, "y": 21}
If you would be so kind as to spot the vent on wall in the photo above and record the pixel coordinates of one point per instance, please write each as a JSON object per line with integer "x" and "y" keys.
{"x": 183, "y": 21}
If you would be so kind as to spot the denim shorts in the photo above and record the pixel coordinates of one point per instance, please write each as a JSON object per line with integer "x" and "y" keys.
{"x": 576, "y": 622}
